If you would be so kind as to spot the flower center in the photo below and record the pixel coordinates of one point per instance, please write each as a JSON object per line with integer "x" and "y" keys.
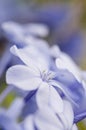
{"x": 47, "y": 75}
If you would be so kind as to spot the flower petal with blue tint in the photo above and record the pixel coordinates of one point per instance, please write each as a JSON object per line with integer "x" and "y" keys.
{"x": 30, "y": 58}
{"x": 23, "y": 77}
{"x": 56, "y": 101}
{"x": 45, "y": 119}
{"x": 68, "y": 113}
{"x": 42, "y": 95}
{"x": 74, "y": 127}
{"x": 66, "y": 63}
{"x": 36, "y": 29}
{"x": 29, "y": 124}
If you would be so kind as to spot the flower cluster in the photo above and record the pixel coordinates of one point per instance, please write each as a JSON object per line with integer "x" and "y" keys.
{"x": 50, "y": 87}
{"x": 59, "y": 18}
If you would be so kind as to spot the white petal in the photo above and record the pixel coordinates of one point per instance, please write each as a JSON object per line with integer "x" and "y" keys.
{"x": 28, "y": 123}
{"x": 40, "y": 60}
{"x": 46, "y": 119}
{"x": 42, "y": 95}
{"x": 36, "y": 29}
{"x": 31, "y": 57}
{"x": 83, "y": 73}
{"x": 28, "y": 29}
{"x": 74, "y": 127}
{"x": 14, "y": 32}
{"x": 39, "y": 51}
{"x": 22, "y": 77}
{"x": 65, "y": 90}
{"x": 68, "y": 113}
{"x": 12, "y": 28}
{"x": 63, "y": 120}
{"x": 58, "y": 85}
{"x": 55, "y": 51}
{"x": 40, "y": 44}
{"x": 47, "y": 95}
{"x": 55, "y": 100}
{"x": 22, "y": 54}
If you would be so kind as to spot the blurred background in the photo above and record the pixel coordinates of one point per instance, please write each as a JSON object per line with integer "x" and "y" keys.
{"x": 66, "y": 20}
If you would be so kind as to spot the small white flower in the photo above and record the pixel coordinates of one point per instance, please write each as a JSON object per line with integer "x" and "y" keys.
{"x": 45, "y": 119}
{"x": 35, "y": 75}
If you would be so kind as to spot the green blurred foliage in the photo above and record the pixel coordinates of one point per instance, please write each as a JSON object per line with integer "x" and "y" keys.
{"x": 8, "y": 100}
{"x": 81, "y": 126}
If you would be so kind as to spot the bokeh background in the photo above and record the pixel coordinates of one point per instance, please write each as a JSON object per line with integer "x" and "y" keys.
{"x": 66, "y": 20}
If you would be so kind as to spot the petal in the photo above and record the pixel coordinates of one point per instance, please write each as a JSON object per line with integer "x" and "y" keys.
{"x": 46, "y": 119}
{"x": 74, "y": 127}
{"x": 80, "y": 117}
{"x": 71, "y": 88}
{"x": 42, "y": 95}
{"x": 39, "y": 44}
{"x": 63, "y": 120}
{"x": 55, "y": 51}
{"x": 66, "y": 63}
{"x": 41, "y": 52}
{"x": 13, "y": 32}
{"x": 22, "y": 54}
{"x": 11, "y": 27}
{"x": 58, "y": 85}
{"x": 83, "y": 73}
{"x": 28, "y": 123}
{"x": 47, "y": 95}
{"x": 68, "y": 113}
{"x": 31, "y": 57}
{"x": 56, "y": 101}
{"x": 37, "y": 56}
{"x": 80, "y": 112}
{"x": 23, "y": 77}
{"x": 36, "y": 29}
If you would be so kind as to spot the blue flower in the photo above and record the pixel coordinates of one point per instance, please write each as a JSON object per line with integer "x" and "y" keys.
{"x": 71, "y": 67}
{"x": 17, "y": 35}
{"x": 34, "y": 76}
{"x": 45, "y": 119}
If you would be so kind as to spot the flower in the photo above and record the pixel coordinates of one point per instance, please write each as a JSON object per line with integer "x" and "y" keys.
{"x": 71, "y": 67}
{"x": 16, "y": 33}
{"x": 34, "y": 76}
{"x": 45, "y": 119}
